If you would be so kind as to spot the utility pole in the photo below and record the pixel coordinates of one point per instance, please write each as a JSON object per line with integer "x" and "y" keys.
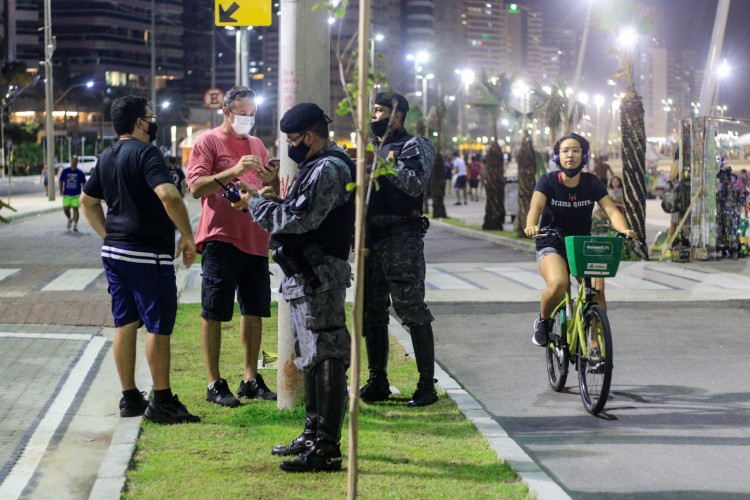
{"x": 49, "y": 49}
{"x": 304, "y": 76}
{"x": 708, "y": 88}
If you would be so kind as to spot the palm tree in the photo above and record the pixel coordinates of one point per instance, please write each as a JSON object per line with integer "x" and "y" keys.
{"x": 526, "y": 160}
{"x": 555, "y": 109}
{"x": 496, "y": 93}
{"x": 632, "y": 123}
{"x": 437, "y": 179}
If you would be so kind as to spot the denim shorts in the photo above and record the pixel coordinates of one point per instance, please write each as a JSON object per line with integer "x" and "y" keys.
{"x": 142, "y": 285}
{"x": 227, "y": 271}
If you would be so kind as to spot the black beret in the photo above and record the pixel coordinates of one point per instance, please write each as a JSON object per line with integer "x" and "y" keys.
{"x": 300, "y": 117}
{"x": 387, "y": 99}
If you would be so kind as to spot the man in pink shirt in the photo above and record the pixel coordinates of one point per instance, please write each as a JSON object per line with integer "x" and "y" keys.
{"x": 234, "y": 248}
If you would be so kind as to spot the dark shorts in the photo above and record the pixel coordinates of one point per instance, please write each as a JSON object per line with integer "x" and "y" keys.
{"x": 473, "y": 183}
{"x": 228, "y": 271}
{"x": 460, "y": 182}
{"x": 142, "y": 285}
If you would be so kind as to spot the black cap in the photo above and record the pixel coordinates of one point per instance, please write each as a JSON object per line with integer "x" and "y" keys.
{"x": 389, "y": 97}
{"x": 301, "y": 117}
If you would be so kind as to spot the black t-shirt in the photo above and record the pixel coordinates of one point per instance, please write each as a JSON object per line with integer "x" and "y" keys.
{"x": 125, "y": 178}
{"x": 568, "y": 210}
{"x": 177, "y": 177}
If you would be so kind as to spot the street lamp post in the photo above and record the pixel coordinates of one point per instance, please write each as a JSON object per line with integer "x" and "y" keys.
{"x": 377, "y": 38}
{"x": 424, "y": 79}
{"x": 49, "y": 49}
{"x": 418, "y": 58}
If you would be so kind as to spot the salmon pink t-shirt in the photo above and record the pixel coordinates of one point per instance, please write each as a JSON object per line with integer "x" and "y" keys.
{"x": 214, "y": 152}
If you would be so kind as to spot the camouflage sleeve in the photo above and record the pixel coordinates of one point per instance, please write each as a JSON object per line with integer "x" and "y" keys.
{"x": 414, "y": 166}
{"x": 323, "y": 191}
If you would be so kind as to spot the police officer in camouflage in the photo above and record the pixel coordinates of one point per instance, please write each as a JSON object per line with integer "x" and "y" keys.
{"x": 395, "y": 267}
{"x": 311, "y": 232}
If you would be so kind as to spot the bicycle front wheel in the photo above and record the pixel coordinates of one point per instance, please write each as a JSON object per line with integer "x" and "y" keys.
{"x": 595, "y": 368}
{"x": 557, "y": 353}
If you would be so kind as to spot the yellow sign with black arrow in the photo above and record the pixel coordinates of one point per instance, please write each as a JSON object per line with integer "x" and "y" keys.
{"x": 243, "y": 12}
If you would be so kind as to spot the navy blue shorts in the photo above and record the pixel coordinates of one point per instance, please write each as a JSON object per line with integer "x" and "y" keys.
{"x": 142, "y": 285}
{"x": 228, "y": 270}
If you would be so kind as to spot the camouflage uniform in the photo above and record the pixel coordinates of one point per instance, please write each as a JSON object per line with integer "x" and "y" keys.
{"x": 395, "y": 267}
{"x": 317, "y": 313}
{"x": 395, "y": 264}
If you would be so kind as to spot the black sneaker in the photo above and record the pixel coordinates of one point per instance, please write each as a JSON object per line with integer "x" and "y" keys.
{"x": 220, "y": 394}
{"x": 255, "y": 388}
{"x": 133, "y": 408}
{"x": 541, "y": 328}
{"x": 173, "y": 412}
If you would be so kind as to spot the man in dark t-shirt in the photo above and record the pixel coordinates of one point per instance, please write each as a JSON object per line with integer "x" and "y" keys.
{"x": 143, "y": 208}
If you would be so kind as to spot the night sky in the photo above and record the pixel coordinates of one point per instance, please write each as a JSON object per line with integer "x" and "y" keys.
{"x": 681, "y": 24}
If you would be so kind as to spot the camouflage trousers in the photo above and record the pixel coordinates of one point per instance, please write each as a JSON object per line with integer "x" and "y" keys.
{"x": 395, "y": 271}
{"x": 319, "y": 328}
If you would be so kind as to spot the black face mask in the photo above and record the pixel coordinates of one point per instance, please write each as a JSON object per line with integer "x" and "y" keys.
{"x": 379, "y": 127}
{"x": 152, "y": 129}
{"x": 572, "y": 172}
{"x": 298, "y": 153}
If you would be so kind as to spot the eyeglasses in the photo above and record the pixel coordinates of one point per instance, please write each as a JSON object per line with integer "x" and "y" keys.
{"x": 571, "y": 151}
{"x": 291, "y": 142}
{"x": 150, "y": 119}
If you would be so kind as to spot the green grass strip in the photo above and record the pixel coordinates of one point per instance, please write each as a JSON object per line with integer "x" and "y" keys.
{"x": 431, "y": 452}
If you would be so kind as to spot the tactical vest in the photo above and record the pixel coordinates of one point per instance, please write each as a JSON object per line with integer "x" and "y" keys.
{"x": 389, "y": 200}
{"x": 329, "y": 234}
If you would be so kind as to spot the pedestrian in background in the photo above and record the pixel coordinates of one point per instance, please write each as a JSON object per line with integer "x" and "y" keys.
{"x": 71, "y": 182}
{"x": 312, "y": 230}
{"x": 143, "y": 208}
{"x": 178, "y": 176}
{"x": 459, "y": 170}
{"x": 395, "y": 267}
{"x": 474, "y": 174}
{"x": 234, "y": 249}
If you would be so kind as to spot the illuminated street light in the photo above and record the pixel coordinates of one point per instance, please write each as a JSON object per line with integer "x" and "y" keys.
{"x": 627, "y": 38}
{"x": 88, "y": 85}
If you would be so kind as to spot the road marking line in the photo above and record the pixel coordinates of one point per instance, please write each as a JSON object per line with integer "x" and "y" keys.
{"x": 528, "y": 279}
{"x": 27, "y": 463}
{"x": 438, "y": 279}
{"x": 72, "y": 279}
{"x": 47, "y": 336}
{"x": 5, "y": 273}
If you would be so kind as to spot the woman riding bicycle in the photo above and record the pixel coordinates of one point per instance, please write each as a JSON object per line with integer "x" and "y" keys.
{"x": 565, "y": 201}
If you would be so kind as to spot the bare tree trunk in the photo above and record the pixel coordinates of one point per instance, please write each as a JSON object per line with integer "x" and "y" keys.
{"x": 526, "y": 160}
{"x": 634, "y": 162}
{"x": 437, "y": 185}
{"x": 494, "y": 212}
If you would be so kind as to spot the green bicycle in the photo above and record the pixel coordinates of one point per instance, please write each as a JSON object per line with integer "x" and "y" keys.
{"x": 580, "y": 333}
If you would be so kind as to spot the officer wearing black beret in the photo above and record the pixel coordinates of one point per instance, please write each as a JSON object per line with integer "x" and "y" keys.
{"x": 395, "y": 267}
{"x": 311, "y": 232}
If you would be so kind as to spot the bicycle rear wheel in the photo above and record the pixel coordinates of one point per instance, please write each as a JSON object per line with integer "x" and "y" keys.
{"x": 557, "y": 353}
{"x": 595, "y": 369}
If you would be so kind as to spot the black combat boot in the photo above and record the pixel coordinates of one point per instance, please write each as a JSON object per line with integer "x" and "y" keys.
{"x": 325, "y": 454}
{"x": 305, "y": 440}
{"x": 424, "y": 353}
{"x": 377, "y": 388}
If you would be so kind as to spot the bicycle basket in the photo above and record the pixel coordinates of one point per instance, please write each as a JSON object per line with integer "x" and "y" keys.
{"x": 593, "y": 255}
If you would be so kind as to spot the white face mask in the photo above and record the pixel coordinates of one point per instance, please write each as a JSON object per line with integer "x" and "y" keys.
{"x": 243, "y": 124}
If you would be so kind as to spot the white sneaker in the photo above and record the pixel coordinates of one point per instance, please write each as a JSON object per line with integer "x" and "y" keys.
{"x": 70, "y": 223}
